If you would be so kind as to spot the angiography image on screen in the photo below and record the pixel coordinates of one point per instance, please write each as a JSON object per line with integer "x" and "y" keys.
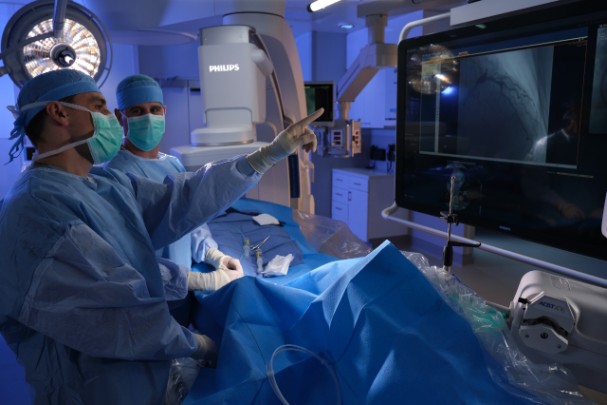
{"x": 508, "y": 96}
{"x": 518, "y": 105}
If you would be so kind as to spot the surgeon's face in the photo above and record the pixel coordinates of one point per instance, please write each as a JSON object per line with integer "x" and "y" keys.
{"x": 81, "y": 122}
{"x": 137, "y": 110}
{"x": 144, "y": 108}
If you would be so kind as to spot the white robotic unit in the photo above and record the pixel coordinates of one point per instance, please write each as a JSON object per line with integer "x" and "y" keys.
{"x": 233, "y": 74}
{"x": 558, "y": 319}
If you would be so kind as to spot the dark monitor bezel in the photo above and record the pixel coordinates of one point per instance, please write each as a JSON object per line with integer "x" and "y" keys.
{"x": 537, "y": 22}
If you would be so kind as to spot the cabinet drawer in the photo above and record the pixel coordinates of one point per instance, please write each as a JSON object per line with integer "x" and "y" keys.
{"x": 339, "y": 195}
{"x": 340, "y": 180}
{"x": 339, "y": 211}
{"x": 360, "y": 183}
{"x": 351, "y": 181}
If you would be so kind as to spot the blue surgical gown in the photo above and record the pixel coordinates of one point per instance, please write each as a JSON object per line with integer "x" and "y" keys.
{"x": 179, "y": 251}
{"x": 82, "y": 302}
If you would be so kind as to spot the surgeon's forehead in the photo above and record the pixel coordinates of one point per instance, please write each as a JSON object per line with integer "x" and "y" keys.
{"x": 90, "y": 97}
{"x": 148, "y": 104}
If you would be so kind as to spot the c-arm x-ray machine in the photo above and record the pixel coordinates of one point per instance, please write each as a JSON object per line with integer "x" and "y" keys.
{"x": 253, "y": 89}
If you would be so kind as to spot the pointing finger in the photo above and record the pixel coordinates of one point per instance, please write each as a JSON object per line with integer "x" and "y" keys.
{"x": 311, "y": 118}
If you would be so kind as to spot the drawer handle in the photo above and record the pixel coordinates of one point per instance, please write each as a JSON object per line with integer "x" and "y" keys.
{"x": 338, "y": 209}
{"x": 339, "y": 194}
{"x": 357, "y": 184}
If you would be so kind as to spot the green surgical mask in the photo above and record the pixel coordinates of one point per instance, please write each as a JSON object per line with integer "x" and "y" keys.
{"x": 145, "y": 131}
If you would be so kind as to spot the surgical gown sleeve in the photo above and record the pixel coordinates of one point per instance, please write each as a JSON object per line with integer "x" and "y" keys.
{"x": 174, "y": 278}
{"x": 202, "y": 240}
{"x": 86, "y": 297}
{"x": 187, "y": 200}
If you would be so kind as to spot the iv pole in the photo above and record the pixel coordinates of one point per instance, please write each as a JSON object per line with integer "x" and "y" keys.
{"x": 451, "y": 218}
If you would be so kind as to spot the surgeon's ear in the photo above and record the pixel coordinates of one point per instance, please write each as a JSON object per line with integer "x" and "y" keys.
{"x": 118, "y": 115}
{"x": 57, "y": 113}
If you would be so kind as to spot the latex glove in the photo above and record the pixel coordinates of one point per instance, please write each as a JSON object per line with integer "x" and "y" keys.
{"x": 206, "y": 352}
{"x": 286, "y": 142}
{"x": 228, "y": 270}
{"x": 218, "y": 260}
{"x": 212, "y": 281}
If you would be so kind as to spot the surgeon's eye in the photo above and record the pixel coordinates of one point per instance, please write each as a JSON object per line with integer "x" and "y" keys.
{"x": 133, "y": 111}
{"x": 157, "y": 110}
{"x": 102, "y": 108}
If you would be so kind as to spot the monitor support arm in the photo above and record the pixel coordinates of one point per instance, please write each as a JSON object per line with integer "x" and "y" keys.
{"x": 374, "y": 56}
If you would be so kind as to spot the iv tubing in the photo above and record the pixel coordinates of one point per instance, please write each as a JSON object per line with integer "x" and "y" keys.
{"x": 286, "y": 347}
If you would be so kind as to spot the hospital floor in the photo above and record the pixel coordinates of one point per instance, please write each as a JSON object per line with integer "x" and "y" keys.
{"x": 493, "y": 277}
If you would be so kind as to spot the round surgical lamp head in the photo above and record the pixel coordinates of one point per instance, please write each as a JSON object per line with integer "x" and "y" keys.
{"x": 30, "y": 47}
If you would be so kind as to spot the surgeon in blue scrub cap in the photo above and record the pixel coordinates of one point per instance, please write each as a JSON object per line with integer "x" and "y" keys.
{"x": 82, "y": 300}
{"x": 141, "y": 112}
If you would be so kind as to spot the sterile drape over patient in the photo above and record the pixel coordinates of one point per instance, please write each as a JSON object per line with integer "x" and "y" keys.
{"x": 375, "y": 321}
{"x": 372, "y": 329}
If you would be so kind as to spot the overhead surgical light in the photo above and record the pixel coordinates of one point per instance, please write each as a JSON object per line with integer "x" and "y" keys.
{"x": 320, "y": 4}
{"x": 47, "y": 35}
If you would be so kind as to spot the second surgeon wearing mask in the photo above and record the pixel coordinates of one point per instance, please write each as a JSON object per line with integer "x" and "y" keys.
{"x": 141, "y": 112}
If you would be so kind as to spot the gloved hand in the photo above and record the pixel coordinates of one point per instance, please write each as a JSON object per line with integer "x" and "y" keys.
{"x": 286, "y": 142}
{"x": 206, "y": 353}
{"x": 217, "y": 259}
{"x": 228, "y": 269}
{"x": 212, "y": 281}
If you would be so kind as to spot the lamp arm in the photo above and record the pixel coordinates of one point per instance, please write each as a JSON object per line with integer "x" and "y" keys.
{"x": 59, "y": 17}
{"x": 20, "y": 45}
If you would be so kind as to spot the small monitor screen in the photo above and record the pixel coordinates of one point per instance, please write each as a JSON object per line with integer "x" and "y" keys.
{"x": 511, "y": 116}
{"x": 320, "y": 95}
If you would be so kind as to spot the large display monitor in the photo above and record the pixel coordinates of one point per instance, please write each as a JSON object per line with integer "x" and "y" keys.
{"x": 515, "y": 111}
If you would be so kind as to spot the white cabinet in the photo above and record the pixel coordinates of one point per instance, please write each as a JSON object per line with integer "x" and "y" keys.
{"x": 358, "y": 198}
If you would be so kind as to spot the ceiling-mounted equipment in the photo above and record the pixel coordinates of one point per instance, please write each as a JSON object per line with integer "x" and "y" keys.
{"x": 50, "y": 35}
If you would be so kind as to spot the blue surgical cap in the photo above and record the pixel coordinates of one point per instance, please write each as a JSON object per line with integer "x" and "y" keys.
{"x": 49, "y": 86}
{"x": 138, "y": 89}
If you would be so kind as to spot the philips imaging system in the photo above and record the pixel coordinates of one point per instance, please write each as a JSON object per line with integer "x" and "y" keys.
{"x": 515, "y": 109}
